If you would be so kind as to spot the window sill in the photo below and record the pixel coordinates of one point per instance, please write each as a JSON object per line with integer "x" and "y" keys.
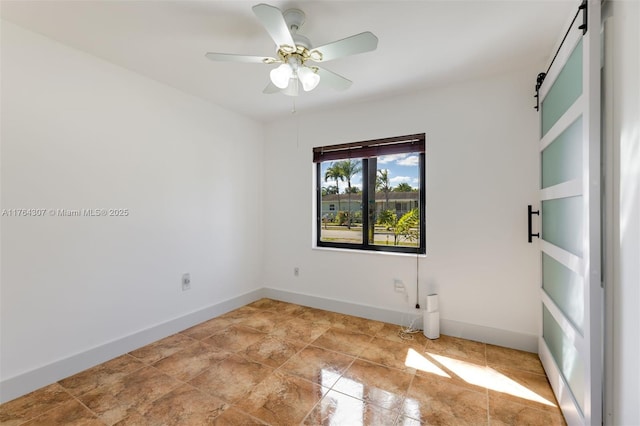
{"x": 369, "y": 252}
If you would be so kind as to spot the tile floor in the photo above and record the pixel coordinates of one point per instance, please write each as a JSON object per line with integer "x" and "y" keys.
{"x": 278, "y": 363}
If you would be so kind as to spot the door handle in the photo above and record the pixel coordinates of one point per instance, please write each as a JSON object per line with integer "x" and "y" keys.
{"x": 530, "y": 213}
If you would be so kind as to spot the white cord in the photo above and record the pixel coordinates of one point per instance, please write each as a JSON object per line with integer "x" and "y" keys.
{"x": 406, "y": 333}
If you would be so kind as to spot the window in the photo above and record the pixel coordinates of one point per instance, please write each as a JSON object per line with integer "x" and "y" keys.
{"x": 371, "y": 195}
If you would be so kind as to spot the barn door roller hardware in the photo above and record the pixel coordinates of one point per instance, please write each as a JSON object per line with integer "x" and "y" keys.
{"x": 582, "y": 8}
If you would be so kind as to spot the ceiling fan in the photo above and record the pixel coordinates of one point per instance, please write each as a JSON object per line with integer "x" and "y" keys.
{"x": 295, "y": 51}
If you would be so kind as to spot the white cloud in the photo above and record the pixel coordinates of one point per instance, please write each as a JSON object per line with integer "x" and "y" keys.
{"x": 412, "y": 160}
{"x": 384, "y": 159}
{"x": 400, "y": 179}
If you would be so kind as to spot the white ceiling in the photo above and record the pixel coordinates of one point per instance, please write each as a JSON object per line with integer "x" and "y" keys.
{"x": 422, "y": 44}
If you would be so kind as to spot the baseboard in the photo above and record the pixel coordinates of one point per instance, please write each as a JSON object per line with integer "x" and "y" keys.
{"x": 479, "y": 333}
{"x": 490, "y": 335}
{"x": 22, "y": 384}
{"x": 342, "y": 307}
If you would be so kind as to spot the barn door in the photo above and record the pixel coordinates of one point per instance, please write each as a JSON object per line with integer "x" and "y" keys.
{"x": 570, "y": 344}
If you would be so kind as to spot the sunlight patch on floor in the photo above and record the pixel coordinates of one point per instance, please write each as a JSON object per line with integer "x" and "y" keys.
{"x": 419, "y": 362}
{"x": 489, "y": 378}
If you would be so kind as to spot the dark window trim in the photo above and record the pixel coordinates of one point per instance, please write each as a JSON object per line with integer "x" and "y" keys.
{"x": 374, "y": 148}
{"x": 365, "y": 150}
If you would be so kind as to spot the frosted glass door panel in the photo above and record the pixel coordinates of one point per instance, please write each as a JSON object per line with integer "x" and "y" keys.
{"x": 570, "y": 344}
{"x": 562, "y": 158}
{"x": 565, "y": 288}
{"x": 565, "y": 354}
{"x": 562, "y": 223}
{"x": 564, "y": 91}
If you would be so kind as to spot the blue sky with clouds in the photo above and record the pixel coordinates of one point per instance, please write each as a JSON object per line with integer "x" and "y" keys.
{"x": 401, "y": 168}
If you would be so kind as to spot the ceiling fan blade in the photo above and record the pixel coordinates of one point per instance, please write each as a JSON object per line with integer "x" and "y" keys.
{"x": 231, "y": 57}
{"x": 333, "y": 80}
{"x": 359, "y": 43}
{"x": 271, "y": 88}
{"x": 273, "y": 21}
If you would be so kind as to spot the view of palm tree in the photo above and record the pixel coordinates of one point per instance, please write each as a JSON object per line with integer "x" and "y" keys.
{"x": 335, "y": 173}
{"x": 349, "y": 169}
{"x": 383, "y": 184}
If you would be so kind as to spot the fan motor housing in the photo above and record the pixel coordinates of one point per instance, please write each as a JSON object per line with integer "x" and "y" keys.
{"x": 294, "y": 18}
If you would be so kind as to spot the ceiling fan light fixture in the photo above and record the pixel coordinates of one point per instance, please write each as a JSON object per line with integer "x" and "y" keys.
{"x": 280, "y": 76}
{"x": 308, "y": 78}
{"x": 293, "y": 88}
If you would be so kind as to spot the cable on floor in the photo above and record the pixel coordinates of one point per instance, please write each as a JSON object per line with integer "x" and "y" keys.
{"x": 406, "y": 333}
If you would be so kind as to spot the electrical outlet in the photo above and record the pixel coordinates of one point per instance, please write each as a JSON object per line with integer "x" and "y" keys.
{"x": 186, "y": 282}
{"x": 398, "y": 286}
{"x": 296, "y": 271}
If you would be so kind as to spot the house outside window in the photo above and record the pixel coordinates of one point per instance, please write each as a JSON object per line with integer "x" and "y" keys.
{"x": 371, "y": 195}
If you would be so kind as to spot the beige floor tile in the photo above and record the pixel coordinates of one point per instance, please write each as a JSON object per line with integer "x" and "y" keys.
{"x": 299, "y": 329}
{"x": 185, "y": 405}
{"x": 460, "y": 371}
{"x": 133, "y": 418}
{"x": 320, "y": 316}
{"x": 105, "y": 405}
{"x": 272, "y": 351}
{"x": 232, "y": 378}
{"x": 278, "y": 307}
{"x": 70, "y": 413}
{"x": 503, "y": 412}
{"x": 339, "y": 409}
{"x": 391, "y": 354}
{"x": 439, "y": 402}
{"x": 162, "y": 348}
{"x": 345, "y": 341}
{"x": 391, "y": 332}
{"x": 239, "y": 314}
{"x": 262, "y": 320}
{"x": 21, "y": 409}
{"x": 282, "y": 399}
{"x": 318, "y": 365}
{"x": 101, "y": 375}
{"x": 360, "y": 325}
{"x": 207, "y": 328}
{"x": 458, "y": 348}
{"x": 375, "y": 384}
{"x": 190, "y": 362}
{"x": 137, "y": 389}
{"x": 235, "y": 338}
{"x": 233, "y": 417}
{"x": 512, "y": 358}
{"x": 407, "y": 421}
{"x": 523, "y": 387}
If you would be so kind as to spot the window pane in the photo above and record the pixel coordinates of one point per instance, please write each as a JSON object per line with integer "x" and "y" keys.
{"x": 562, "y": 159}
{"x": 565, "y": 288}
{"x": 565, "y": 354}
{"x": 341, "y": 183}
{"x": 564, "y": 91}
{"x": 395, "y": 221}
{"x": 562, "y": 223}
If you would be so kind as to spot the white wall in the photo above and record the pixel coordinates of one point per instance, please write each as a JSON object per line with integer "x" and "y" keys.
{"x": 78, "y": 132}
{"x": 481, "y": 174}
{"x": 626, "y": 291}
